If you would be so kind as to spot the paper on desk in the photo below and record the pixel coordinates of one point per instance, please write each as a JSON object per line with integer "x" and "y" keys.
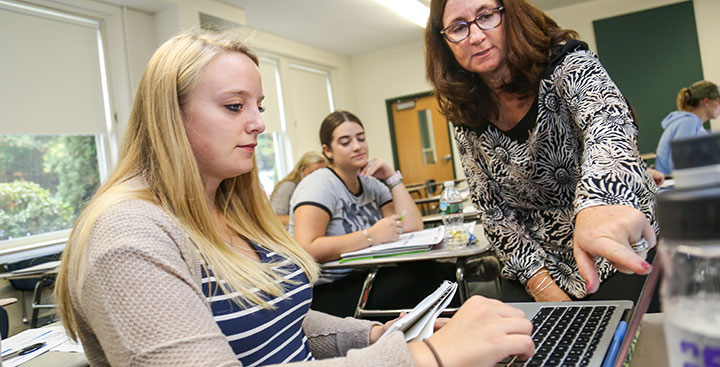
{"x": 412, "y": 241}
{"x": 407, "y": 242}
{"x": 52, "y": 336}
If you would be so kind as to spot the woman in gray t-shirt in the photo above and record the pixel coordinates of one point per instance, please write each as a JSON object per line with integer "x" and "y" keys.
{"x": 353, "y": 204}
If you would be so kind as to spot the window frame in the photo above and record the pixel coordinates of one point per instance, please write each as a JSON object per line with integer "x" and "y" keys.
{"x": 107, "y": 22}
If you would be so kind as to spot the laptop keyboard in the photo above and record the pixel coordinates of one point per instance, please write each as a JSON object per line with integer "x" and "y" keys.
{"x": 566, "y": 335}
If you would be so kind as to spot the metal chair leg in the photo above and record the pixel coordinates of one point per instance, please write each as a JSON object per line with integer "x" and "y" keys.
{"x": 365, "y": 292}
{"x": 37, "y": 297}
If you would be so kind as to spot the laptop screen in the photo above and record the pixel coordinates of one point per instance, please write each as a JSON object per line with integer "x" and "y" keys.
{"x": 646, "y": 295}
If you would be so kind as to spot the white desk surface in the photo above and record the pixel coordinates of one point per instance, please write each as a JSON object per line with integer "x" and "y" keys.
{"x": 651, "y": 349}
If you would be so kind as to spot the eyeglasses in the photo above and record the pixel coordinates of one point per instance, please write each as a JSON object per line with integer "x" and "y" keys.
{"x": 486, "y": 20}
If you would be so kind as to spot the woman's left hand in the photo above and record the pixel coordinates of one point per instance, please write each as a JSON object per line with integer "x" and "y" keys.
{"x": 378, "y": 169}
{"x": 378, "y": 330}
{"x": 607, "y": 231}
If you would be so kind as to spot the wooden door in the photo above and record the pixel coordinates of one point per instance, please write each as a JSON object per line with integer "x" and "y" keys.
{"x": 422, "y": 140}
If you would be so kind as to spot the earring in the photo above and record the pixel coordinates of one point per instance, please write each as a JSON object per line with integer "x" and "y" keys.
{"x": 329, "y": 156}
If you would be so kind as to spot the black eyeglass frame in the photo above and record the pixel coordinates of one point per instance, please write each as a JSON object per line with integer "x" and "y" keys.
{"x": 500, "y": 9}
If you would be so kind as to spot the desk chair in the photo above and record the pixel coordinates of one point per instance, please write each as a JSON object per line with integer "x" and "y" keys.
{"x": 4, "y": 321}
{"x": 37, "y": 285}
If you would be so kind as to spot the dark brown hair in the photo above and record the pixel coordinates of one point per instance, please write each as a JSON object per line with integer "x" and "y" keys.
{"x": 331, "y": 122}
{"x": 464, "y": 98}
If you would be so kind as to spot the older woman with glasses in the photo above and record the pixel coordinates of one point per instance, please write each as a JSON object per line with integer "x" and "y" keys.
{"x": 548, "y": 144}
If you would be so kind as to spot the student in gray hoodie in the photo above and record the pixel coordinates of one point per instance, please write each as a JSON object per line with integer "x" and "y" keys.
{"x": 697, "y": 104}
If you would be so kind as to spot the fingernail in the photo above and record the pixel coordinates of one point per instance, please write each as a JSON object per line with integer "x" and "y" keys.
{"x": 587, "y": 286}
{"x": 645, "y": 265}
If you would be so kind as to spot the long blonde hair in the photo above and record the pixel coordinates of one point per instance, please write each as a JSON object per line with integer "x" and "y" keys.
{"x": 156, "y": 149}
{"x": 307, "y": 160}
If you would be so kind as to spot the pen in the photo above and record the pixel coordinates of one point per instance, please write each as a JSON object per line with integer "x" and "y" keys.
{"x": 402, "y": 216}
{"x": 24, "y": 351}
{"x": 615, "y": 344}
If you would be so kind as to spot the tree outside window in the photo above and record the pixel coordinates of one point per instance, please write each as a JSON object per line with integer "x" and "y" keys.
{"x": 45, "y": 181}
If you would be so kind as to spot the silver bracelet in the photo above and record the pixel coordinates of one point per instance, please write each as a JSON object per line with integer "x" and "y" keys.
{"x": 540, "y": 291}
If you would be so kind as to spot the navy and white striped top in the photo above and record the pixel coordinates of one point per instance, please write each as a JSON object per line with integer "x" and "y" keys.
{"x": 260, "y": 336}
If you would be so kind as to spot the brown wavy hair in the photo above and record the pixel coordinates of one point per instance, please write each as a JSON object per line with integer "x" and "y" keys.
{"x": 465, "y": 99}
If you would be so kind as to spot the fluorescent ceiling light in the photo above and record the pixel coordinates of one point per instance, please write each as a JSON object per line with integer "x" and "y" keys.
{"x": 411, "y": 10}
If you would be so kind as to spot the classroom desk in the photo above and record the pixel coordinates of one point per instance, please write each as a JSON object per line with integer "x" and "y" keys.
{"x": 428, "y": 204}
{"x": 439, "y": 253}
{"x": 46, "y": 272}
{"x": 434, "y": 220}
{"x": 649, "y": 352}
{"x": 651, "y": 349}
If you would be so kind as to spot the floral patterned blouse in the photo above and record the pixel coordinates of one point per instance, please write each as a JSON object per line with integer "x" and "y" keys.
{"x": 575, "y": 148}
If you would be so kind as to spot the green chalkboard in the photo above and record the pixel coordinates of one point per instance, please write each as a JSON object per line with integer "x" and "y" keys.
{"x": 651, "y": 55}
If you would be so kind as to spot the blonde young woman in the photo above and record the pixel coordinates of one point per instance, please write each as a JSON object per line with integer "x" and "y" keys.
{"x": 179, "y": 260}
{"x": 280, "y": 197}
{"x": 696, "y": 104}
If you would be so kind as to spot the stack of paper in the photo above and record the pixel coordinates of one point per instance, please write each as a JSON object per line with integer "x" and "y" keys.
{"x": 407, "y": 243}
{"x": 412, "y": 242}
{"x": 52, "y": 338}
{"x": 420, "y": 322}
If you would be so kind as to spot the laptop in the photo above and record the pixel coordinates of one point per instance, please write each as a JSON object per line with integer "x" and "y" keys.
{"x": 581, "y": 333}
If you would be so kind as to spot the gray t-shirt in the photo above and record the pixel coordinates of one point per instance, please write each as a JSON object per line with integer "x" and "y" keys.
{"x": 280, "y": 200}
{"x": 348, "y": 212}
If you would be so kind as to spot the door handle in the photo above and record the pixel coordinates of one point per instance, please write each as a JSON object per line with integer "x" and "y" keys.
{"x": 447, "y": 157}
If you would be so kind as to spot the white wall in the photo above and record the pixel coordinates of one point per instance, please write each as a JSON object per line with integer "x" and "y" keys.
{"x": 378, "y": 76}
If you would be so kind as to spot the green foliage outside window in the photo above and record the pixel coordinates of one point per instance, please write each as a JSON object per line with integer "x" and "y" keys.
{"x": 45, "y": 181}
{"x": 27, "y": 209}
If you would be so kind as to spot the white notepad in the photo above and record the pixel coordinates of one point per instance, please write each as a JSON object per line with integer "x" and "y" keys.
{"x": 419, "y": 323}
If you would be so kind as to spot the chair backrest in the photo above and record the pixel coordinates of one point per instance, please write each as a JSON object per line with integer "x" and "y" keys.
{"x": 4, "y": 323}
{"x": 431, "y": 187}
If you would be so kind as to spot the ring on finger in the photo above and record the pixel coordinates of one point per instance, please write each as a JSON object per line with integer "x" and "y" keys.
{"x": 640, "y": 246}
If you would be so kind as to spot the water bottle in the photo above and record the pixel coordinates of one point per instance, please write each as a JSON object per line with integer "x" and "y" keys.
{"x": 689, "y": 219}
{"x": 455, "y": 236}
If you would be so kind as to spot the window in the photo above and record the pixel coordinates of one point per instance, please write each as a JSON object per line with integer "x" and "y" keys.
{"x": 427, "y": 138}
{"x": 45, "y": 182}
{"x": 55, "y": 113}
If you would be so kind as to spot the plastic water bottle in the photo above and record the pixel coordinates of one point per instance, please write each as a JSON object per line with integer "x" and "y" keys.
{"x": 689, "y": 219}
{"x": 455, "y": 236}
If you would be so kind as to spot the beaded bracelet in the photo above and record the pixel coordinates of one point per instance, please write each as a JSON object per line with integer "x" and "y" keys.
{"x": 434, "y": 352}
{"x": 394, "y": 180}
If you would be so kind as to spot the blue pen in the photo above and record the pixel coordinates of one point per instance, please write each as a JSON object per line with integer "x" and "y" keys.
{"x": 615, "y": 344}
